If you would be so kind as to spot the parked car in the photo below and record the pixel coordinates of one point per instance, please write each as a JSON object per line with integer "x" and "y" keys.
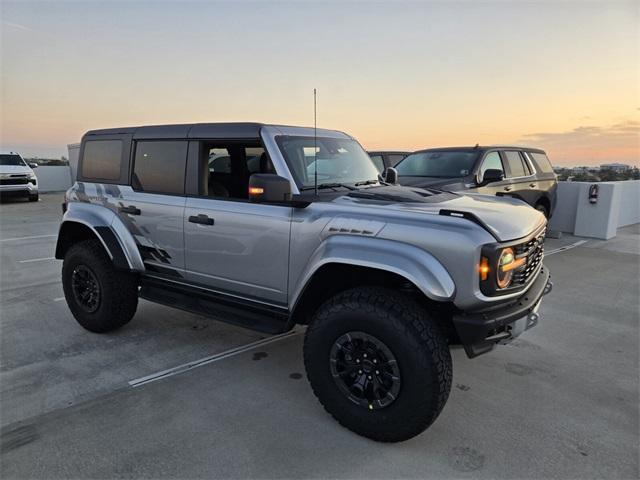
{"x": 17, "y": 178}
{"x": 384, "y": 159}
{"x": 386, "y": 277}
{"x": 523, "y": 173}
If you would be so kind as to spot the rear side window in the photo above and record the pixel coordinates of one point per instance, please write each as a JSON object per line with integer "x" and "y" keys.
{"x": 159, "y": 166}
{"x": 102, "y": 159}
{"x": 542, "y": 162}
{"x": 516, "y": 165}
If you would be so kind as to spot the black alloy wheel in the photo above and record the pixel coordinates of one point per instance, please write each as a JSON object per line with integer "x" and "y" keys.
{"x": 365, "y": 370}
{"x": 86, "y": 289}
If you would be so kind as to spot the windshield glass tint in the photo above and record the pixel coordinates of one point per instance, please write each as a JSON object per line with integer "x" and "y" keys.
{"x": 437, "y": 164}
{"x": 338, "y": 160}
{"x": 10, "y": 159}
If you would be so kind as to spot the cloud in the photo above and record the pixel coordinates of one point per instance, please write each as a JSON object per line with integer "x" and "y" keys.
{"x": 17, "y": 26}
{"x": 591, "y": 145}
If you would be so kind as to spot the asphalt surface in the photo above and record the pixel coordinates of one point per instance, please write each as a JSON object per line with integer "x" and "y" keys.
{"x": 560, "y": 402}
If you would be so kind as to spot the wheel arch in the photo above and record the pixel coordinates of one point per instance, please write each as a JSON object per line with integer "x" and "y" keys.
{"x": 96, "y": 222}
{"x": 344, "y": 261}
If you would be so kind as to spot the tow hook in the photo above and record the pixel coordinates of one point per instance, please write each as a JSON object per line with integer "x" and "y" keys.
{"x": 547, "y": 288}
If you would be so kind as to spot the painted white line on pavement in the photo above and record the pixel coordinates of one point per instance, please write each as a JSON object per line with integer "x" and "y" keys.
{"x": 36, "y": 260}
{"x": 58, "y": 299}
{"x": 15, "y": 239}
{"x": 210, "y": 359}
{"x": 566, "y": 247}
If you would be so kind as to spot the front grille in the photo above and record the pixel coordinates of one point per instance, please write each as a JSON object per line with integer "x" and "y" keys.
{"x": 14, "y": 181}
{"x": 533, "y": 250}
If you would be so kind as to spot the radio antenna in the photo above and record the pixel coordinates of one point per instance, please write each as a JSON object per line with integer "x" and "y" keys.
{"x": 315, "y": 144}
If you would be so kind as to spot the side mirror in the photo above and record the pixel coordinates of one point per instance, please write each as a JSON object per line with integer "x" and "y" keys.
{"x": 491, "y": 175}
{"x": 390, "y": 175}
{"x": 268, "y": 187}
{"x": 33, "y": 165}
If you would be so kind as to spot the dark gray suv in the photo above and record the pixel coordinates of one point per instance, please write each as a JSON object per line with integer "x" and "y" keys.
{"x": 519, "y": 172}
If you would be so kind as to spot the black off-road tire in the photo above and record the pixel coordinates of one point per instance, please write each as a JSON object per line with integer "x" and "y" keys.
{"x": 412, "y": 336}
{"x": 34, "y": 198}
{"x": 118, "y": 290}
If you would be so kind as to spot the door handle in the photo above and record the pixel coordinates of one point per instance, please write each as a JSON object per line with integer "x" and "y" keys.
{"x": 532, "y": 185}
{"x": 202, "y": 219}
{"x": 131, "y": 210}
{"x": 508, "y": 188}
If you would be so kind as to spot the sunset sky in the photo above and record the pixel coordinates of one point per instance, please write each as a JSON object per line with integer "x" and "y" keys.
{"x": 396, "y": 75}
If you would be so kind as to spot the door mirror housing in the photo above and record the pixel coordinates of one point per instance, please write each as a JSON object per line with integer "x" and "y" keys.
{"x": 269, "y": 188}
{"x": 33, "y": 165}
{"x": 491, "y": 175}
{"x": 390, "y": 175}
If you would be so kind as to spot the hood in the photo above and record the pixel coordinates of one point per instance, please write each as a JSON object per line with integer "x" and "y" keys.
{"x": 13, "y": 169}
{"x": 451, "y": 184}
{"x": 505, "y": 218}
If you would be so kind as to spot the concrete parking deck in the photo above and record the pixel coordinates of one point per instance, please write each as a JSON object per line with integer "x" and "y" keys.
{"x": 561, "y": 402}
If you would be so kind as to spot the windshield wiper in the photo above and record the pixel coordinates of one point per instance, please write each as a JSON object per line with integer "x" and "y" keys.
{"x": 328, "y": 185}
{"x": 365, "y": 182}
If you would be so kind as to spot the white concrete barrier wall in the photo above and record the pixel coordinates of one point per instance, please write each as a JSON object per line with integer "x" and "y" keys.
{"x": 629, "y": 203}
{"x": 618, "y": 205}
{"x": 53, "y": 179}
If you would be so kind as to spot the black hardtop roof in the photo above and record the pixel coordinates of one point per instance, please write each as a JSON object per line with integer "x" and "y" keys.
{"x": 186, "y": 130}
{"x": 481, "y": 148}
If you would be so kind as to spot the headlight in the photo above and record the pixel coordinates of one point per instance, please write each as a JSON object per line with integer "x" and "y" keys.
{"x": 507, "y": 263}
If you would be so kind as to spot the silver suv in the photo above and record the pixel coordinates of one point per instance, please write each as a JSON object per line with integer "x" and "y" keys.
{"x": 269, "y": 226}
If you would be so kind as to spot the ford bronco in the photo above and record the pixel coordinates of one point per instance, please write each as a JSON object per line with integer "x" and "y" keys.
{"x": 269, "y": 226}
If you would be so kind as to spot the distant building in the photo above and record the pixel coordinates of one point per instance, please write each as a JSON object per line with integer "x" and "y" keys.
{"x": 616, "y": 167}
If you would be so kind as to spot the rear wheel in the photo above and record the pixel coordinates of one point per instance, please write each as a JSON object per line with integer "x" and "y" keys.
{"x": 100, "y": 297}
{"x": 378, "y": 363}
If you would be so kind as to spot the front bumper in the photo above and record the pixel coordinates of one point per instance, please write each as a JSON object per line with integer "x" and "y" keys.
{"x": 21, "y": 189}
{"x": 480, "y": 331}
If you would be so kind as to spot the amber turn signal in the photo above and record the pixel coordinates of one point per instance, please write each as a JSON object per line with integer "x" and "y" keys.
{"x": 484, "y": 268}
{"x": 256, "y": 191}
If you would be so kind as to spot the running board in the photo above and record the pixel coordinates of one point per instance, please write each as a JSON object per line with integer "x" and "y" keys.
{"x": 219, "y": 306}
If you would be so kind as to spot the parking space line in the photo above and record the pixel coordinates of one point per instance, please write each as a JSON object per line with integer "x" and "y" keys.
{"x": 566, "y": 247}
{"x": 36, "y": 260}
{"x": 15, "y": 239}
{"x": 210, "y": 359}
{"x": 58, "y": 299}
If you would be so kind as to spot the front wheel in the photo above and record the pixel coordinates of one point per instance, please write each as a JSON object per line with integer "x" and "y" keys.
{"x": 100, "y": 297}
{"x": 378, "y": 363}
{"x": 34, "y": 197}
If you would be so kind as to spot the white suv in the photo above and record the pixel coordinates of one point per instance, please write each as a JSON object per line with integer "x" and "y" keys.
{"x": 17, "y": 177}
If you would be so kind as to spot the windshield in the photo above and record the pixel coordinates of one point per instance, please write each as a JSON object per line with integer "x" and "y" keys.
{"x": 11, "y": 159}
{"x": 439, "y": 164}
{"x": 338, "y": 160}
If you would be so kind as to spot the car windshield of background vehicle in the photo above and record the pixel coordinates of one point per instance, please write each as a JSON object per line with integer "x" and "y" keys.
{"x": 437, "y": 164}
{"x": 339, "y": 161}
{"x": 10, "y": 159}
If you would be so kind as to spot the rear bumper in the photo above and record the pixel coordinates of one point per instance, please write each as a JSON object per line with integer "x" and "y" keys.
{"x": 480, "y": 331}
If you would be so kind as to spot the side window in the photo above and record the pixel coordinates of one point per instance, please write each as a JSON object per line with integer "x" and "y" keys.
{"x": 102, "y": 159}
{"x": 516, "y": 165}
{"x": 542, "y": 162}
{"x": 491, "y": 162}
{"x": 395, "y": 159}
{"x": 378, "y": 162}
{"x": 229, "y": 168}
{"x": 159, "y": 166}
